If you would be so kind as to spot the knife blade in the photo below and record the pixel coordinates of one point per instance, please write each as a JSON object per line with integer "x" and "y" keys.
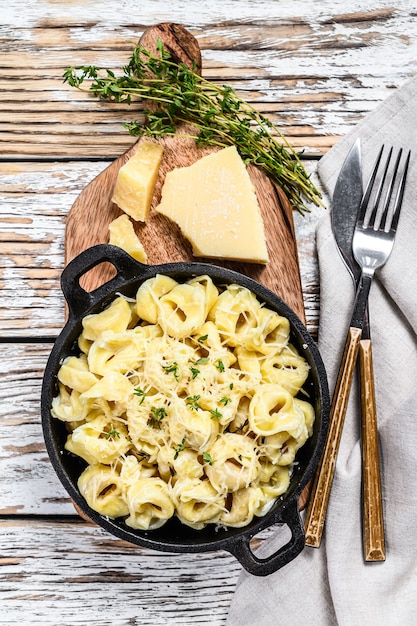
{"x": 346, "y": 200}
{"x": 347, "y": 196}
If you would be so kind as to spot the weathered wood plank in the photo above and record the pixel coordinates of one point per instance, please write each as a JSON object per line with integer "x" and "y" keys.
{"x": 35, "y": 201}
{"x": 69, "y": 572}
{"x": 315, "y": 76}
{"x": 28, "y": 482}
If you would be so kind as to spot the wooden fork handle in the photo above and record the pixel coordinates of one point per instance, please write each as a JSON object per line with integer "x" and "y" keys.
{"x": 322, "y": 484}
{"x": 374, "y": 538}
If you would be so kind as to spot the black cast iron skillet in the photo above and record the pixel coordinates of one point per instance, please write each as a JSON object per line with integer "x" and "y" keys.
{"x": 174, "y": 536}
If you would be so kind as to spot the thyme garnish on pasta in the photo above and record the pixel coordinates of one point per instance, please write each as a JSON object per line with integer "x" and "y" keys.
{"x": 112, "y": 434}
{"x": 214, "y": 448}
{"x": 156, "y": 416}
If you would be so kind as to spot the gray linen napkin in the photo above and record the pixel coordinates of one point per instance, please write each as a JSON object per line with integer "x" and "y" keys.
{"x": 333, "y": 585}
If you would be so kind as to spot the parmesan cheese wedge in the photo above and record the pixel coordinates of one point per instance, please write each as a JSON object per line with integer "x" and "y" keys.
{"x": 136, "y": 180}
{"x": 214, "y": 203}
{"x": 122, "y": 234}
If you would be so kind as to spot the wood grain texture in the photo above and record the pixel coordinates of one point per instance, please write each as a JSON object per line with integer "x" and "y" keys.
{"x": 315, "y": 73}
{"x": 29, "y": 485}
{"x": 68, "y": 572}
{"x": 373, "y": 521}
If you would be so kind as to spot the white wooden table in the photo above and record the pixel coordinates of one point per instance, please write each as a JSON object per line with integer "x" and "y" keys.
{"x": 315, "y": 68}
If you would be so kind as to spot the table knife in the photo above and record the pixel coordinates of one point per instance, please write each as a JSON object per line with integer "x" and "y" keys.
{"x": 346, "y": 199}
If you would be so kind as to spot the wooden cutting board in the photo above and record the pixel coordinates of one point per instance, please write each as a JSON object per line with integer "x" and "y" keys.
{"x": 90, "y": 215}
{"x": 92, "y": 212}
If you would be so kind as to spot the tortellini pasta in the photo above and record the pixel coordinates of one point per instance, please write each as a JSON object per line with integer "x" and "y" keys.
{"x": 185, "y": 401}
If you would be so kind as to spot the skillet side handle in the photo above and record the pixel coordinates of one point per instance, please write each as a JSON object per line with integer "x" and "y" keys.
{"x": 265, "y": 566}
{"x": 78, "y": 299}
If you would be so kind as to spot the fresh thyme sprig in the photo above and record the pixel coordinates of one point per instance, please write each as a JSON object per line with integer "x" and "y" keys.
{"x": 194, "y": 372}
{"x": 156, "y": 416}
{"x": 215, "y": 414}
{"x": 207, "y": 458}
{"x": 179, "y": 448}
{"x": 192, "y": 402}
{"x": 140, "y": 393}
{"x": 220, "y": 117}
{"x": 113, "y": 434}
{"x": 172, "y": 369}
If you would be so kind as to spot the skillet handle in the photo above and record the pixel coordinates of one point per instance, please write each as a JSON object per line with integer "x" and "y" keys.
{"x": 265, "y": 566}
{"x": 78, "y": 299}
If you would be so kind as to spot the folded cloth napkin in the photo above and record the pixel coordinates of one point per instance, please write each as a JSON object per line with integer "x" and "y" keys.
{"x": 333, "y": 585}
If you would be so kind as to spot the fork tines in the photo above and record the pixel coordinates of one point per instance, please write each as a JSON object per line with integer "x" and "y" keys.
{"x": 378, "y": 209}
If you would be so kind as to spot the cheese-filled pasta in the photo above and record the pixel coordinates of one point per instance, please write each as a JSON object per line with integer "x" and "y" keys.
{"x": 75, "y": 374}
{"x": 172, "y": 466}
{"x": 99, "y": 441}
{"x": 150, "y": 503}
{"x": 245, "y": 504}
{"x": 285, "y": 368}
{"x": 235, "y": 314}
{"x": 148, "y": 296}
{"x": 116, "y": 317}
{"x": 185, "y": 401}
{"x": 101, "y": 487}
{"x": 273, "y": 410}
{"x": 197, "y": 502}
{"x": 237, "y": 463}
{"x": 67, "y": 406}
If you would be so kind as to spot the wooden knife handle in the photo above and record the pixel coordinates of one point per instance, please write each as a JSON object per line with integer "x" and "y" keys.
{"x": 374, "y": 538}
{"x": 322, "y": 484}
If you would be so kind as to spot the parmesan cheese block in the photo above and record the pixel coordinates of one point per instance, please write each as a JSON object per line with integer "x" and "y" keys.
{"x": 122, "y": 234}
{"x": 214, "y": 203}
{"x": 136, "y": 180}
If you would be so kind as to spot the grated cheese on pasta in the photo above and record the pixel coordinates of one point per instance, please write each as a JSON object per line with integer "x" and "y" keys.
{"x": 184, "y": 402}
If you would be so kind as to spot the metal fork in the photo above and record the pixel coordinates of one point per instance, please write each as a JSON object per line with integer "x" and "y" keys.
{"x": 373, "y": 239}
{"x": 372, "y": 244}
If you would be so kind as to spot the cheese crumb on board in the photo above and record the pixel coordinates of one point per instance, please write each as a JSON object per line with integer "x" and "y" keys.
{"x": 136, "y": 180}
{"x": 122, "y": 234}
{"x": 214, "y": 203}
